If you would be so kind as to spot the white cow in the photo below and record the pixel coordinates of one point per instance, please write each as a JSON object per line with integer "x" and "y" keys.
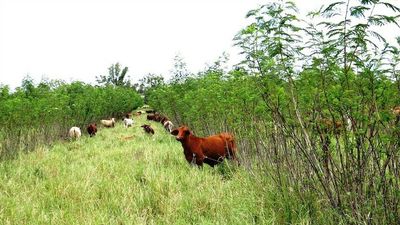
{"x": 168, "y": 125}
{"x": 128, "y": 122}
{"x": 75, "y": 133}
{"x": 108, "y": 123}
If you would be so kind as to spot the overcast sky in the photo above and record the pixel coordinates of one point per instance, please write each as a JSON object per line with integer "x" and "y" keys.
{"x": 80, "y": 39}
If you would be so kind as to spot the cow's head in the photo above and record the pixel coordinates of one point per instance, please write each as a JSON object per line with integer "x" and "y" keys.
{"x": 181, "y": 133}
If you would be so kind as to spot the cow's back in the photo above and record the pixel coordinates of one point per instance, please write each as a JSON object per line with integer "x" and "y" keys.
{"x": 213, "y": 146}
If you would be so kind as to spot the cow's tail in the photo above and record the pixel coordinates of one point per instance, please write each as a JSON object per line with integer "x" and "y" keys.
{"x": 73, "y": 134}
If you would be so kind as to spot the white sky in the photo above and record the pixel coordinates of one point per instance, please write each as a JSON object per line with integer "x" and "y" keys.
{"x": 80, "y": 39}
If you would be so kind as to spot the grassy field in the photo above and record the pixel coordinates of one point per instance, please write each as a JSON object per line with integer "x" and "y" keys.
{"x": 124, "y": 176}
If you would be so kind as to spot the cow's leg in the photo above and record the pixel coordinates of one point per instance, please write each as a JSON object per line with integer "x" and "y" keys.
{"x": 190, "y": 158}
{"x": 209, "y": 161}
{"x": 200, "y": 160}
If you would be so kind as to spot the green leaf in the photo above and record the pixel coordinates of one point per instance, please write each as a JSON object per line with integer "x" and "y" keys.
{"x": 358, "y": 11}
{"x": 391, "y": 6}
{"x": 331, "y": 8}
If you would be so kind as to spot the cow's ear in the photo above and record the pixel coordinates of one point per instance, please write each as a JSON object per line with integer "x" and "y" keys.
{"x": 175, "y": 132}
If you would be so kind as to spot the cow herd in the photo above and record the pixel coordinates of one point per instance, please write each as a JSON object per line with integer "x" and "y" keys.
{"x": 210, "y": 150}
{"x": 157, "y": 117}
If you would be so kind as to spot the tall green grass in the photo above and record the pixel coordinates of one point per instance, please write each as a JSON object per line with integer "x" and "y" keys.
{"x": 124, "y": 176}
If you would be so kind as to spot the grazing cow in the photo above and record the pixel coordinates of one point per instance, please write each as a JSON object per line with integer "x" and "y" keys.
{"x": 148, "y": 129}
{"x": 108, "y": 123}
{"x": 92, "y": 129}
{"x": 168, "y": 125}
{"x": 210, "y": 150}
{"x": 127, "y": 122}
{"x": 75, "y": 133}
{"x": 157, "y": 117}
{"x": 150, "y": 117}
{"x": 163, "y": 119}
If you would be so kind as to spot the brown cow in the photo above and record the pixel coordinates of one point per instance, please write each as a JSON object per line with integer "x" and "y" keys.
{"x": 150, "y": 117}
{"x": 163, "y": 119}
{"x": 148, "y": 129}
{"x": 210, "y": 150}
{"x": 157, "y": 117}
{"x": 92, "y": 129}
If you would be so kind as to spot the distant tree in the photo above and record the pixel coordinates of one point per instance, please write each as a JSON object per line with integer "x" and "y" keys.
{"x": 115, "y": 76}
{"x": 180, "y": 71}
{"x": 4, "y": 91}
{"x": 149, "y": 81}
{"x": 27, "y": 86}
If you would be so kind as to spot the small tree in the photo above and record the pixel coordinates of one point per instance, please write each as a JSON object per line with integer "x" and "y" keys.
{"x": 115, "y": 76}
{"x": 149, "y": 81}
{"x": 180, "y": 72}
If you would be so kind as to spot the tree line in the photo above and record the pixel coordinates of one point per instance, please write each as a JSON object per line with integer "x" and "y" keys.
{"x": 35, "y": 115}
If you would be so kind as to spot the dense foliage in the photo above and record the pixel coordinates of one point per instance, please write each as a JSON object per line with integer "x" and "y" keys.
{"x": 40, "y": 114}
{"x": 311, "y": 106}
